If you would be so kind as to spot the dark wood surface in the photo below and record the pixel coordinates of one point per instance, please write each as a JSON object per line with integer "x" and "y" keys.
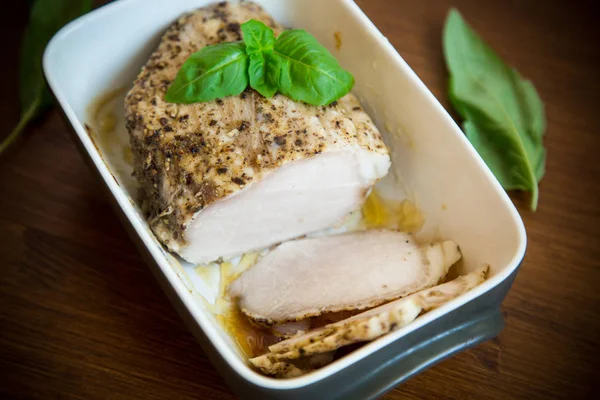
{"x": 81, "y": 316}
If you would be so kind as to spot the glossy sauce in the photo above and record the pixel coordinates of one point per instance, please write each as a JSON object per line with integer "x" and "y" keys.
{"x": 104, "y": 118}
{"x": 108, "y": 131}
{"x": 384, "y": 213}
{"x": 251, "y": 339}
{"x": 106, "y": 127}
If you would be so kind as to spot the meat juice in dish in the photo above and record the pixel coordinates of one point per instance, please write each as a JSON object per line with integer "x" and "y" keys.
{"x": 278, "y": 195}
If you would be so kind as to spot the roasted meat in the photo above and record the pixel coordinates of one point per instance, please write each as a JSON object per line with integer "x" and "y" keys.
{"x": 221, "y": 178}
{"x": 354, "y": 271}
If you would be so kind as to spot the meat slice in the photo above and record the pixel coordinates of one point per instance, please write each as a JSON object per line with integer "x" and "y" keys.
{"x": 238, "y": 174}
{"x": 366, "y": 326}
{"x": 353, "y": 271}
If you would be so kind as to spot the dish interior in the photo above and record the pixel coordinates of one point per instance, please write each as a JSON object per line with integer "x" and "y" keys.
{"x": 92, "y": 63}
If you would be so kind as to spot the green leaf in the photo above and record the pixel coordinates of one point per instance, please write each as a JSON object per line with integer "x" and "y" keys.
{"x": 46, "y": 18}
{"x": 264, "y": 66}
{"x": 504, "y": 116}
{"x": 258, "y": 37}
{"x": 535, "y": 119}
{"x": 264, "y": 71}
{"x": 294, "y": 64}
{"x": 308, "y": 71}
{"x": 213, "y": 72}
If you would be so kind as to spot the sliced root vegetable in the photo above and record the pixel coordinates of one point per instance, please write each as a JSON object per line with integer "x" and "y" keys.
{"x": 366, "y": 326}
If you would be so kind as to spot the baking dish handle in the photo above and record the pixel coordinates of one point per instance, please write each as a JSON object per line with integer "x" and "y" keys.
{"x": 429, "y": 352}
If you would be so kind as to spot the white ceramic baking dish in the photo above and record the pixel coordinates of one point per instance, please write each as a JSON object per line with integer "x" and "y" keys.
{"x": 433, "y": 165}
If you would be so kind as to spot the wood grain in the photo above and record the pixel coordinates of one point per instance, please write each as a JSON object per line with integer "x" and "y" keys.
{"x": 81, "y": 316}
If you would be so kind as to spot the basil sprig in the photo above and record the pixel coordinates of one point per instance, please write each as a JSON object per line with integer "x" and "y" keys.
{"x": 503, "y": 115}
{"x": 295, "y": 64}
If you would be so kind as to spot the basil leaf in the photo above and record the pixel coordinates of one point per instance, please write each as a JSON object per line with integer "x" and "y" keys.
{"x": 213, "y": 72}
{"x": 504, "y": 116}
{"x": 264, "y": 66}
{"x": 257, "y": 36}
{"x": 308, "y": 72}
{"x": 294, "y": 64}
{"x": 264, "y": 70}
{"x": 45, "y": 19}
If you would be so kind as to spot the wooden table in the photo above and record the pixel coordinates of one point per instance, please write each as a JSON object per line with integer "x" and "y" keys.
{"x": 81, "y": 316}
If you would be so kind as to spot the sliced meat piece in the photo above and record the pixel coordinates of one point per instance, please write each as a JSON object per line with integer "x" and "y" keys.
{"x": 222, "y": 178}
{"x": 280, "y": 369}
{"x": 290, "y": 329}
{"x": 295, "y": 368}
{"x": 365, "y": 326}
{"x": 354, "y": 271}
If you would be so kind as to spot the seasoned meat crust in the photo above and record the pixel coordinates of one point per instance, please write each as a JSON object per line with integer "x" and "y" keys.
{"x": 187, "y": 157}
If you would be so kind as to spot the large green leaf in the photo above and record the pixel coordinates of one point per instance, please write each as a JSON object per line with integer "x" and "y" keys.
{"x": 213, "y": 72}
{"x": 504, "y": 116}
{"x": 309, "y": 72}
{"x": 264, "y": 66}
{"x": 46, "y": 18}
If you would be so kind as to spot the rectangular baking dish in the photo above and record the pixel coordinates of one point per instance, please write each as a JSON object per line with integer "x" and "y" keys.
{"x": 433, "y": 165}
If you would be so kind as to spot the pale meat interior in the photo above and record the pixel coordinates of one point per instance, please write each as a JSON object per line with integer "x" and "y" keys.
{"x": 354, "y": 271}
{"x": 221, "y": 178}
{"x": 300, "y": 197}
{"x": 282, "y": 359}
{"x": 309, "y": 295}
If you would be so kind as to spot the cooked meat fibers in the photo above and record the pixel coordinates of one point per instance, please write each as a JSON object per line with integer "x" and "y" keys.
{"x": 282, "y": 360}
{"x": 354, "y": 271}
{"x": 221, "y": 178}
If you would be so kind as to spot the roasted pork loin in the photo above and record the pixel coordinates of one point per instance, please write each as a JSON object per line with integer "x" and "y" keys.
{"x": 353, "y": 271}
{"x": 221, "y": 178}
